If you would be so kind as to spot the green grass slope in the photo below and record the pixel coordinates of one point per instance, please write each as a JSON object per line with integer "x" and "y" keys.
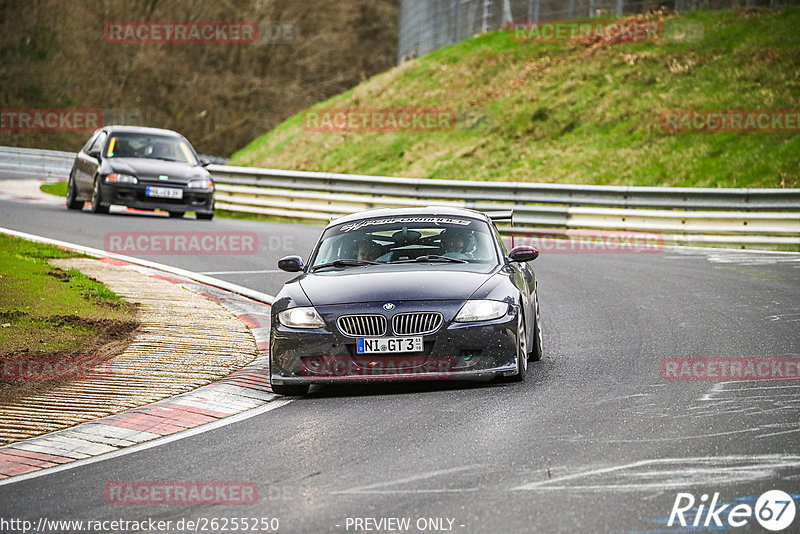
{"x": 572, "y": 112}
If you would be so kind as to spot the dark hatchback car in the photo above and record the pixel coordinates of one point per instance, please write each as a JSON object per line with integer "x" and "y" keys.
{"x": 142, "y": 168}
{"x": 406, "y": 294}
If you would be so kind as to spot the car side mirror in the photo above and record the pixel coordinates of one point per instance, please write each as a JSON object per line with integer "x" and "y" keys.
{"x": 94, "y": 154}
{"x": 291, "y": 264}
{"x": 205, "y": 162}
{"x": 523, "y": 253}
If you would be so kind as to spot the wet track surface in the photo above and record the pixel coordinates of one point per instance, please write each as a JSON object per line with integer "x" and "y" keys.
{"x": 595, "y": 440}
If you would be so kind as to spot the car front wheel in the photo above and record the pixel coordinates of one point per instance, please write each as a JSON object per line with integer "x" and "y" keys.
{"x": 522, "y": 350}
{"x": 537, "y": 349}
{"x": 97, "y": 198}
{"x": 72, "y": 203}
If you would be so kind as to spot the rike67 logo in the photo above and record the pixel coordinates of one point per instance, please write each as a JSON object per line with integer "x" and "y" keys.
{"x": 774, "y": 510}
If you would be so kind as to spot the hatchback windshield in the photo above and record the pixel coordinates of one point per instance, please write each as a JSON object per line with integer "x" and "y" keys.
{"x": 407, "y": 240}
{"x": 132, "y": 145}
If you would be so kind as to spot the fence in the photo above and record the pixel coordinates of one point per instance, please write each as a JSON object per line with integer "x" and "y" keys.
{"x": 427, "y": 25}
{"x": 746, "y": 218}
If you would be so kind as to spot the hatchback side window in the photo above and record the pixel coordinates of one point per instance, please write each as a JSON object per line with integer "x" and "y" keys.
{"x": 97, "y": 145}
{"x": 90, "y": 141}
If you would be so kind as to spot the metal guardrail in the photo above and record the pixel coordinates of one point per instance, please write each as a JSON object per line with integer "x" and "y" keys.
{"x": 746, "y": 218}
{"x": 44, "y": 163}
{"x": 514, "y": 192}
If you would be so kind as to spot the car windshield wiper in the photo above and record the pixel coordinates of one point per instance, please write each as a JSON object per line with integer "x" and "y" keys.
{"x": 430, "y": 257}
{"x": 344, "y": 263}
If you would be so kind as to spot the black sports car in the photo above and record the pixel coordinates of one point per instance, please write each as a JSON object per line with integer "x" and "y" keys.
{"x": 406, "y": 294}
{"x": 143, "y": 168}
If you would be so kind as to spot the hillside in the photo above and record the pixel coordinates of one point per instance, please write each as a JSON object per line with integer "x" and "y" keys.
{"x": 56, "y": 55}
{"x": 573, "y": 112}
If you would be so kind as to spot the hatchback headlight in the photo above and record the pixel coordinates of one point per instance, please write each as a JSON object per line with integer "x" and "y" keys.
{"x": 201, "y": 183}
{"x": 116, "y": 178}
{"x": 301, "y": 318}
{"x": 481, "y": 310}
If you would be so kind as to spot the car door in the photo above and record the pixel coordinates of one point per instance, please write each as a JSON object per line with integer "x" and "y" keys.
{"x": 524, "y": 279}
{"x": 86, "y": 163}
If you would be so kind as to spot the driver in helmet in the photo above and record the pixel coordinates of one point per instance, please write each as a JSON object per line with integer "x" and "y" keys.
{"x": 457, "y": 244}
{"x": 367, "y": 250}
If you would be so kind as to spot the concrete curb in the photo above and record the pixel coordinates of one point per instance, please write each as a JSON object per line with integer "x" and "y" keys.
{"x": 243, "y": 390}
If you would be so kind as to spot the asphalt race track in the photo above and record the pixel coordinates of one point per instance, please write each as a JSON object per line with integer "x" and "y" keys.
{"x": 595, "y": 440}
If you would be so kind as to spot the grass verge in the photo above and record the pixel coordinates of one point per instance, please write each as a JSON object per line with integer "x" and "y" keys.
{"x": 47, "y": 312}
{"x": 573, "y": 112}
{"x": 54, "y": 188}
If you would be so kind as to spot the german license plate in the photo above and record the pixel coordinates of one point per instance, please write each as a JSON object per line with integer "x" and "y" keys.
{"x": 164, "y": 192}
{"x": 371, "y": 345}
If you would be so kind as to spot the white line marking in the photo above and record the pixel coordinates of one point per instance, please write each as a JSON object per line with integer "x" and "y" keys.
{"x": 411, "y": 491}
{"x": 413, "y": 478}
{"x": 758, "y": 467}
{"x": 150, "y": 444}
{"x": 263, "y": 271}
{"x": 779, "y": 433}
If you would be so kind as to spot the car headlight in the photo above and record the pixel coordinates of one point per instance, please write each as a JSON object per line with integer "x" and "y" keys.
{"x": 481, "y": 310}
{"x": 116, "y": 178}
{"x": 201, "y": 183}
{"x": 301, "y": 318}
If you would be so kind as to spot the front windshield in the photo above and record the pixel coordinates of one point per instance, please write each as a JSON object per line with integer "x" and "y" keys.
{"x": 133, "y": 145}
{"x": 408, "y": 239}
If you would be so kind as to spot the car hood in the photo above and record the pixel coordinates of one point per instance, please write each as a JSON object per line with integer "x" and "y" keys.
{"x": 151, "y": 169}
{"x": 387, "y": 283}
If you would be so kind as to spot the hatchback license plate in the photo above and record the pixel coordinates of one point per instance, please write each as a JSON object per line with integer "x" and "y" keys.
{"x": 164, "y": 192}
{"x": 388, "y": 344}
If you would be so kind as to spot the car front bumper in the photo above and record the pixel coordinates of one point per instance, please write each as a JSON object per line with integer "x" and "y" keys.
{"x": 134, "y": 196}
{"x": 456, "y": 351}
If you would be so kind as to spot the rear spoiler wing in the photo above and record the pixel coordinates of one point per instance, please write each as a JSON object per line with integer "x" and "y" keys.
{"x": 507, "y": 215}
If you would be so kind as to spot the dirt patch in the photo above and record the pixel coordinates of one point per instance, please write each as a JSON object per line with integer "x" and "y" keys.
{"x": 58, "y": 274}
{"x": 111, "y": 337}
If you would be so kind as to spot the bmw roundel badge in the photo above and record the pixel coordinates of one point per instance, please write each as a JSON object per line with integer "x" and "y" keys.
{"x": 388, "y": 306}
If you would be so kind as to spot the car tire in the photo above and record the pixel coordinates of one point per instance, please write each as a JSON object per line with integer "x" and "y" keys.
{"x": 522, "y": 350}
{"x": 205, "y": 216}
{"x": 176, "y": 214}
{"x": 290, "y": 390}
{"x": 72, "y": 203}
{"x": 537, "y": 349}
{"x": 97, "y": 198}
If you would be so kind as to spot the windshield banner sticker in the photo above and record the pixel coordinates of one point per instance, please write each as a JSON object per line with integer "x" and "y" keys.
{"x": 403, "y": 220}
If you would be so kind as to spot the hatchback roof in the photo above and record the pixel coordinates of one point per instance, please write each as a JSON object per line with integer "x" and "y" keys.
{"x": 140, "y": 130}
